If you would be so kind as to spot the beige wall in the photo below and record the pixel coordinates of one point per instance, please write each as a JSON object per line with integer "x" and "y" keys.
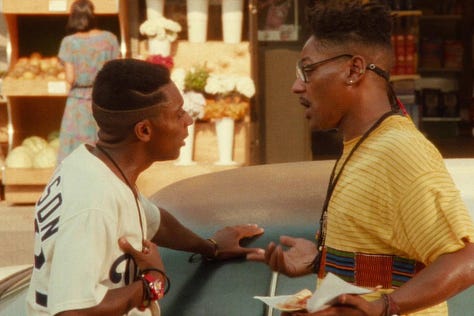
{"x": 287, "y": 136}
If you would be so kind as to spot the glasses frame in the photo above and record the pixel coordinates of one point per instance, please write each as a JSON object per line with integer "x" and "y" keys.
{"x": 302, "y": 70}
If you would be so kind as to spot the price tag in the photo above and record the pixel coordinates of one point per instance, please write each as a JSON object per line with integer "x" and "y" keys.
{"x": 57, "y": 87}
{"x": 57, "y": 5}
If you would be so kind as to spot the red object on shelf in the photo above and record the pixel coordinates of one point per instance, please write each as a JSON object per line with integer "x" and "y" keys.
{"x": 161, "y": 60}
{"x": 410, "y": 54}
{"x": 453, "y": 52}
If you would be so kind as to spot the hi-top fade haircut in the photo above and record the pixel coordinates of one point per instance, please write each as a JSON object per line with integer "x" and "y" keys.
{"x": 128, "y": 84}
{"x": 367, "y": 22}
{"x": 357, "y": 27}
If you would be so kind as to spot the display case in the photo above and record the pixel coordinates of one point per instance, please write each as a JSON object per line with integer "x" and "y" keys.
{"x": 445, "y": 88}
{"x": 35, "y": 104}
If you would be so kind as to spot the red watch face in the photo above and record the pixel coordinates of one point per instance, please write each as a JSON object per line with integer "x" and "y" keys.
{"x": 156, "y": 286}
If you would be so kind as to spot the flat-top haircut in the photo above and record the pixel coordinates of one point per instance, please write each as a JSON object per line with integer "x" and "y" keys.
{"x": 357, "y": 27}
{"x": 127, "y": 84}
{"x": 81, "y": 17}
{"x": 366, "y": 22}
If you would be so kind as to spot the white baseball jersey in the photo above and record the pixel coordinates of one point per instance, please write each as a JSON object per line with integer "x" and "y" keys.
{"x": 82, "y": 213}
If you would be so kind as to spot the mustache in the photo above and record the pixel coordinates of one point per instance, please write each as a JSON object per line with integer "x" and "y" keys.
{"x": 305, "y": 102}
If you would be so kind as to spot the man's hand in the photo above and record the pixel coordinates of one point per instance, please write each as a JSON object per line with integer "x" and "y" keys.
{"x": 293, "y": 262}
{"x": 229, "y": 238}
{"x": 347, "y": 305}
{"x": 149, "y": 257}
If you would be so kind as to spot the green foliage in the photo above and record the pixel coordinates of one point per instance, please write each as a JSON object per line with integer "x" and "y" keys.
{"x": 196, "y": 78}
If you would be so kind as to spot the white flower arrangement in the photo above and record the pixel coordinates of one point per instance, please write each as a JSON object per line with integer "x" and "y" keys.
{"x": 220, "y": 84}
{"x": 194, "y": 102}
{"x": 161, "y": 28}
{"x": 231, "y": 96}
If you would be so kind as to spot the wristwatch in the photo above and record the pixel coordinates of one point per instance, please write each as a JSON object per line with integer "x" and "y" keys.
{"x": 155, "y": 287}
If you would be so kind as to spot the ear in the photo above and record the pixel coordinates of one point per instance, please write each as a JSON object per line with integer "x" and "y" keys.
{"x": 143, "y": 130}
{"x": 356, "y": 70}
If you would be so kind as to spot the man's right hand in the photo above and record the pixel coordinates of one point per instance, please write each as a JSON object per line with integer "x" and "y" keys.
{"x": 149, "y": 257}
{"x": 294, "y": 261}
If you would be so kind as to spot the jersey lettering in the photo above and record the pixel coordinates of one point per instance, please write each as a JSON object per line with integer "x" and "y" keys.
{"x": 129, "y": 275}
{"x": 46, "y": 224}
{"x": 47, "y": 205}
{"x": 47, "y": 192}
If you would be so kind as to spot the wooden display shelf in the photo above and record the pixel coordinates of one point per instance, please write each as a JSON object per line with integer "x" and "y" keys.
{"x": 34, "y": 116}
{"x": 24, "y": 186}
{"x": 55, "y": 6}
{"x": 220, "y": 57}
{"x": 34, "y": 87}
{"x": 400, "y": 13}
{"x": 405, "y": 77}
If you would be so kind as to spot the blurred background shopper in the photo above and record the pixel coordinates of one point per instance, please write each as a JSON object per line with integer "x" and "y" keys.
{"x": 83, "y": 53}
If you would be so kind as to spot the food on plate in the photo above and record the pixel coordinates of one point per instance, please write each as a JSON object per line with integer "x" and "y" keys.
{"x": 296, "y": 301}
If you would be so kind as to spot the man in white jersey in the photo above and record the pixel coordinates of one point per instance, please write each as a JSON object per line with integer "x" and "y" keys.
{"x": 95, "y": 234}
{"x": 393, "y": 217}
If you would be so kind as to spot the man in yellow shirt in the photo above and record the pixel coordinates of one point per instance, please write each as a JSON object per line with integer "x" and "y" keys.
{"x": 393, "y": 217}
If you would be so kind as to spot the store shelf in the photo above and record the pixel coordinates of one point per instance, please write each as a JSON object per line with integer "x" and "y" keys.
{"x": 400, "y": 13}
{"x": 441, "y": 17}
{"x": 55, "y": 6}
{"x": 34, "y": 87}
{"x": 404, "y": 77}
{"x": 439, "y": 70}
{"x": 441, "y": 119}
{"x": 24, "y": 186}
{"x": 26, "y": 176}
{"x": 35, "y": 106}
{"x": 220, "y": 56}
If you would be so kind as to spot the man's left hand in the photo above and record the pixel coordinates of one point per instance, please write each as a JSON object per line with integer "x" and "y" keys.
{"x": 229, "y": 240}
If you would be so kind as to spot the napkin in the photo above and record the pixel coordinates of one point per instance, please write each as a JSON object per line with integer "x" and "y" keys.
{"x": 331, "y": 287}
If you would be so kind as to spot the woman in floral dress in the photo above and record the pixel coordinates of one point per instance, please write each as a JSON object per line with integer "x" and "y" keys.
{"x": 83, "y": 53}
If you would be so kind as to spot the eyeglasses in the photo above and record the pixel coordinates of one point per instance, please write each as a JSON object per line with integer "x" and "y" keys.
{"x": 302, "y": 70}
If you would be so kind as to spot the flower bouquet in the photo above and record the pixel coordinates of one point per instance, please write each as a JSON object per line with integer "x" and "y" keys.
{"x": 231, "y": 96}
{"x": 160, "y": 32}
{"x": 195, "y": 78}
{"x": 161, "y": 28}
{"x": 191, "y": 84}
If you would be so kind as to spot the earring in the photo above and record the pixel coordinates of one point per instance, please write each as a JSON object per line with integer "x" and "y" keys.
{"x": 350, "y": 81}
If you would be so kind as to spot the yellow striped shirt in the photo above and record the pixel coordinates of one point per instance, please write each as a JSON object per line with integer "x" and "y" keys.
{"x": 395, "y": 196}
